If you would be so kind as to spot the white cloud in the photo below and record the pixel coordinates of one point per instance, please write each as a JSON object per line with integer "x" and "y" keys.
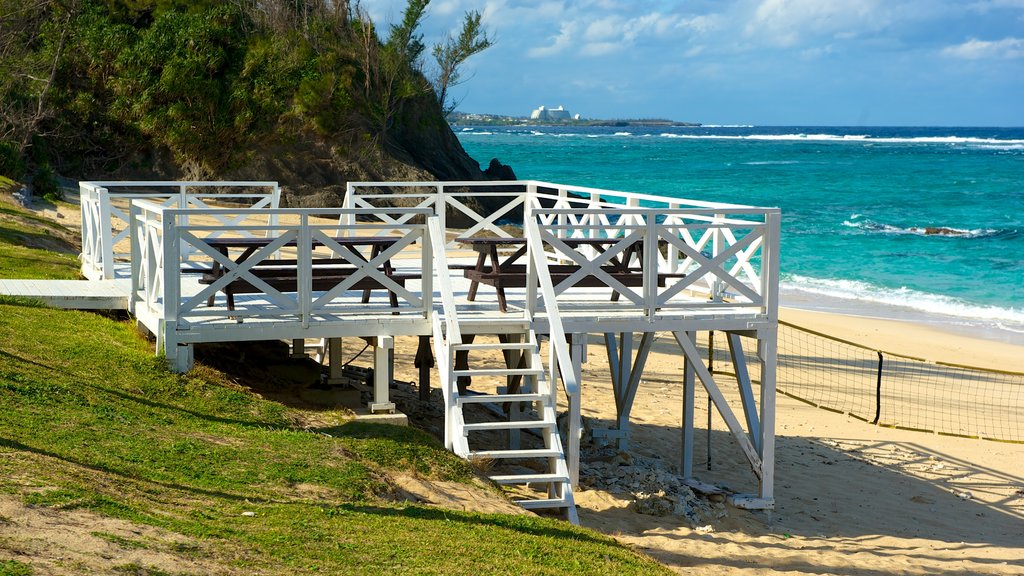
{"x": 614, "y": 33}
{"x": 446, "y": 7}
{"x": 974, "y": 49}
{"x": 558, "y": 44}
{"x": 789, "y": 22}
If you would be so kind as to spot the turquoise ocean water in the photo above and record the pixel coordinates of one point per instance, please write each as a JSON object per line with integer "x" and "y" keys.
{"x": 857, "y": 204}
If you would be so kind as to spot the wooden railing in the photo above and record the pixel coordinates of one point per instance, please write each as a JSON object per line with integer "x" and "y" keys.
{"x": 105, "y": 217}
{"x": 303, "y": 241}
{"x": 696, "y": 254}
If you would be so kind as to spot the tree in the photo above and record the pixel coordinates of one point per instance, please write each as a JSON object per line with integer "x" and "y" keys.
{"x": 391, "y": 71}
{"x": 33, "y": 40}
{"x": 452, "y": 53}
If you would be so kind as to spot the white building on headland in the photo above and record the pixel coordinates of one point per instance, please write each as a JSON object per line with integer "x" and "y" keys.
{"x": 552, "y": 115}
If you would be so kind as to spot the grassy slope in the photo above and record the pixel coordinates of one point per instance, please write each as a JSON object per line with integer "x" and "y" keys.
{"x": 90, "y": 420}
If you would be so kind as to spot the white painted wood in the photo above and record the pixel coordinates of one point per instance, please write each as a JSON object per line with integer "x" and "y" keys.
{"x": 383, "y": 367}
{"x": 739, "y": 364}
{"x": 693, "y": 359}
{"x": 688, "y": 402}
{"x": 728, "y": 254}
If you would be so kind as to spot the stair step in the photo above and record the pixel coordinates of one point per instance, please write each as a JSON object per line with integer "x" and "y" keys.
{"x": 492, "y": 325}
{"x": 529, "y": 478}
{"x": 499, "y": 372}
{"x": 534, "y": 453}
{"x": 543, "y": 503}
{"x": 516, "y": 424}
{"x": 500, "y": 398}
{"x": 495, "y": 346}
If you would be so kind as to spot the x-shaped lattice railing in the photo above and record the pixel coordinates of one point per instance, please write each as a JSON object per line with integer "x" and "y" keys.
{"x": 592, "y": 265}
{"x": 233, "y": 271}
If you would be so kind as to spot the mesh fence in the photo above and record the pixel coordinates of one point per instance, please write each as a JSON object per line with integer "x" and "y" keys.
{"x": 892, "y": 390}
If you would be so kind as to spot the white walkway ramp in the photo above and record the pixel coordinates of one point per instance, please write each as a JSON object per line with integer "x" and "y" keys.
{"x": 72, "y": 294}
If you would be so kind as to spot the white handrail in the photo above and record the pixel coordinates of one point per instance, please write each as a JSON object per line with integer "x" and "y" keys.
{"x": 99, "y": 235}
{"x": 538, "y": 260}
{"x": 444, "y": 281}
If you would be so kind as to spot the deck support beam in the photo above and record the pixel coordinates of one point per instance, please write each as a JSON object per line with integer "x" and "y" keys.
{"x": 739, "y": 363}
{"x": 689, "y": 397}
{"x": 335, "y": 367}
{"x": 757, "y": 443}
{"x": 578, "y": 353}
{"x": 383, "y": 359}
{"x": 625, "y": 375}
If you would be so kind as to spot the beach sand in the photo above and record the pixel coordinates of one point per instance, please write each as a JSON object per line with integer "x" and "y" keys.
{"x": 851, "y": 498}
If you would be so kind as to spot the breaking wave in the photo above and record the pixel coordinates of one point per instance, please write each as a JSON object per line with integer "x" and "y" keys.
{"x": 1011, "y": 319}
{"x": 937, "y": 231}
{"x": 798, "y": 137}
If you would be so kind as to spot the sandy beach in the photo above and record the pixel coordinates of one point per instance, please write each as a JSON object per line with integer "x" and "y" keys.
{"x": 851, "y": 498}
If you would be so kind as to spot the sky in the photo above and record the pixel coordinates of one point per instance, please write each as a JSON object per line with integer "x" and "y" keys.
{"x": 760, "y": 62}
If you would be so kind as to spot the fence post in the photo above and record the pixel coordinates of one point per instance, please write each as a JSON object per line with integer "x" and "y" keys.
{"x": 878, "y": 390}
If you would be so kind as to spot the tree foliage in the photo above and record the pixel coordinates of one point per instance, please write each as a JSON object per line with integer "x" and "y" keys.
{"x": 450, "y": 55}
{"x": 98, "y": 83}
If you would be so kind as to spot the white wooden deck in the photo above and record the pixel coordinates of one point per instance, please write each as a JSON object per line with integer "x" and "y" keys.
{"x": 704, "y": 266}
{"x": 71, "y": 294}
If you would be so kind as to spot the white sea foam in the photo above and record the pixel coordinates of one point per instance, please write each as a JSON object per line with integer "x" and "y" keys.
{"x": 859, "y": 138}
{"x": 935, "y": 231}
{"x": 623, "y": 134}
{"x": 1011, "y": 319}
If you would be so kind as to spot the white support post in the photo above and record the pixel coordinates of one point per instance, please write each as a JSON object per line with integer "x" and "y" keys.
{"x": 334, "y": 348}
{"x": 383, "y": 349}
{"x": 689, "y": 389}
{"x": 107, "y": 234}
{"x": 767, "y": 351}
{"x": 650, "y": 272}
{"x": 179, "y": 355}
{"x": 134, "y": 212}
{"x": 578, "y": 349}
{"x": 441, "y": 209}
{"x": 693, "y": 358}
{"x": 304, "y": 259}
{"x": 298, "y": 348}
{"x": 622, "y": 410}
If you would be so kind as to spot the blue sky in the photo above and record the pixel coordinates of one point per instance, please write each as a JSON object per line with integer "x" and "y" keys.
{"x": 763, "y": 62}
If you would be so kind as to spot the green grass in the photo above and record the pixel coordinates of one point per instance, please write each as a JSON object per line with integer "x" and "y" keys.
{"x": 91, "y": 420}
{"x": 14, "y": 568}
{"x": 34, "y": 247}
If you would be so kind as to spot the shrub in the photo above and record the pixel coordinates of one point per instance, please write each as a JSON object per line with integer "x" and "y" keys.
{"x": 12, "y": 165}
{"x": 45, "y": 184}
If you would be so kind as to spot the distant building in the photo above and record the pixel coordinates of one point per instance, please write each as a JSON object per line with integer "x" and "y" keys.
{"x": 551, "y": 115}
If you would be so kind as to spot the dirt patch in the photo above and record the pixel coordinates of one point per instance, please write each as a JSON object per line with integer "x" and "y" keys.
{"x": 55, "y": 541}
{"x": 472, "y": 497}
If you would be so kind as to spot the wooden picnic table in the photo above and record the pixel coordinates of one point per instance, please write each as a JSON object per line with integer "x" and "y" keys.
{"x": 508, "y": 272}
{"x": 282, "y": 274}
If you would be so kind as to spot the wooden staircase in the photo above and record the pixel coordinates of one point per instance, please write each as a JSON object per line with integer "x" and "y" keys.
{"x": 527, "y": 405}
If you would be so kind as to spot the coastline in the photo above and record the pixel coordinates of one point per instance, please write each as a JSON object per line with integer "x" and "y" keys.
{"x": 935, "y": 342}
{"x": 958, "y": 325}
